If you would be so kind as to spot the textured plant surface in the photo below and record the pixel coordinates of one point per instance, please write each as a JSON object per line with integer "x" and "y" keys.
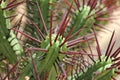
{"x": 55, "y": 42}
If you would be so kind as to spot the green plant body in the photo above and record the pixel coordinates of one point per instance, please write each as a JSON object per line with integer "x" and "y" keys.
{"x": 55, "y": 52}
{"x": 45, "y": 65}
{"x": 6, "y": 48}
{"x": 9, "y": 44}
{"x": 97, "y": 71}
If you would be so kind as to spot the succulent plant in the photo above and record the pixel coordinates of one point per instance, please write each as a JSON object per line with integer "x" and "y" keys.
{"x": 57, "y": 53}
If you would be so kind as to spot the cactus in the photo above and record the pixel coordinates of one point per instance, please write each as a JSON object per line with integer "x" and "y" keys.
{"x": 9, "y": 43}
{"x": 56, "y": 53}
